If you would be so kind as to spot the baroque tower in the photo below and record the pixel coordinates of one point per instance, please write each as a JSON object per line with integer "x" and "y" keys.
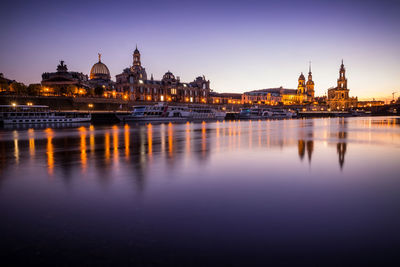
{"x": 139, "y": 73}
{"x": 342, "y": 81}
{"x": 136, "y": 57}
{"x": 310, "y": 84}
{"x": 301, "y": 87}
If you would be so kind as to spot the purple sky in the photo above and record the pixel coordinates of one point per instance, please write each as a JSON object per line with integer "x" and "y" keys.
{"x": 238, "y": 45}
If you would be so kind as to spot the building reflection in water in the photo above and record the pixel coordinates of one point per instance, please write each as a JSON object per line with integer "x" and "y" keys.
{"x": 306, "y": 139}
{"x": 342, "y": 145}
{"x": 136, "y": 149}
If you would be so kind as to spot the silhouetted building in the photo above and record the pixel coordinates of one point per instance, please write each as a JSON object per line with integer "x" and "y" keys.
{"x": 5, "y": 83}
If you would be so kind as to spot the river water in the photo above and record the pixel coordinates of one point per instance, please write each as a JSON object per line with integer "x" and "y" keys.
{"x": 236, "y": 193}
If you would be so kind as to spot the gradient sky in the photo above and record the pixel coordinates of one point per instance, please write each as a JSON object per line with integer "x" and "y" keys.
{"x": 238, "y": 45}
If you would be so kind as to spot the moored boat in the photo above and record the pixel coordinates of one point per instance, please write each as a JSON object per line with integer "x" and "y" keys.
{"x": 164, "y": 113}
{"x": 34, "y": 114}
{"x": 279, "y": 114}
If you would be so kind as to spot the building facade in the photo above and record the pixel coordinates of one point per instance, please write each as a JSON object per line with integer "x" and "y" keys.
{"x": 100, "y": 80}
{"x": 225, "y": 98}
{"x": 64, "y": 82}
{"x": 133, "y": 84}
{"x": 338, "y": 97}
{"x": 274, "y": 96}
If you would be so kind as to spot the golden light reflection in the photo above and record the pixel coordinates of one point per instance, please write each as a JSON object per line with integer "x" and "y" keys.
{"x": 107, "y": 146}
{"x": 50, "y": 150}
{"x": 16, "y": 150}
{"x": 170, "y": 139}
{"x": 82, "y": 131}
{"x": 31, "y": 134}
{"x": 150, "y": 139}
{"x": 91, "y": 139}
{"x": 127, "y": 141}
{"x": 115, "y": 143}
{"x": 203, "y": 137}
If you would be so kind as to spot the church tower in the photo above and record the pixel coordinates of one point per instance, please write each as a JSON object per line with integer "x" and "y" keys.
{"x": 136, "y": 58}
{"x": 310, "y": 85}
{"x": 301, "y": 87}
{"x": 342, "y": 81}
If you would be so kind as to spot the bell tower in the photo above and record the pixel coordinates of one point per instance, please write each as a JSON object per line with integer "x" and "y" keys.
{"x": 310, "y": 84}
{"x": 136, "y": 57}
{"x": 301, "y": 87}
{"x": 342, "y": 81}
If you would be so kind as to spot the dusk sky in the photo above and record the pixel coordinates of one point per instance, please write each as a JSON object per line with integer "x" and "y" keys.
{"x": 238, "y": 45}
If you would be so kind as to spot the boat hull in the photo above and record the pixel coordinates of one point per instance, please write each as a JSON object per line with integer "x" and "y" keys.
{"x": 44, "y": 120}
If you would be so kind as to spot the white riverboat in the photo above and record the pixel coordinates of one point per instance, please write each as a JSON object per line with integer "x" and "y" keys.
{"x": 163, "y": 112}
{"x": 38, "y": 114}
{"x": 256, "y": 113}
{"x": 279, "y": 114}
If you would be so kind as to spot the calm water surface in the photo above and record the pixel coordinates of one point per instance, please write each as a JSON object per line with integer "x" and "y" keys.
{"x": 314, "y": 191}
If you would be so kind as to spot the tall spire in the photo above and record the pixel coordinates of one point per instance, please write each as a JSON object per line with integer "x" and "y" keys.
{"x": 309, "y": 69}
{"x": 99, "y": 57}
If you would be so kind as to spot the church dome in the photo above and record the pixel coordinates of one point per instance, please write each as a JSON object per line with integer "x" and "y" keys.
{"x": 100, "y": 71}
{"x": 168, "y": 76}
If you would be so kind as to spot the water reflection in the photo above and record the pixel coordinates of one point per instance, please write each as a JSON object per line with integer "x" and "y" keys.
{"x": 137, "y": 149}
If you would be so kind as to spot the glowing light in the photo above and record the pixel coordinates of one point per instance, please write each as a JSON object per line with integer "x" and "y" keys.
{"x": 82, "y": 131}
{"x": 50, "y": 150}
{"x": 150, "y": 138}
{"x": 127, "y": 141}
{"x": 90, "y": 105}
{"x": 29, "y": 104}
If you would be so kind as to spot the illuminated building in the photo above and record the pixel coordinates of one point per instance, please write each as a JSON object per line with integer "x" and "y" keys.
{"x": 5, "y": 83}
{"x": 225, "y": 98}
{"x": 133, "y": 84}
{"x": 274, "y": 96}
{"x": 64, "y": 82}
{"x": 338, "y": 97}
{"x": 100, "y": 79}
{"x": 371, "y": 103}
{"x": 310, "y": 86}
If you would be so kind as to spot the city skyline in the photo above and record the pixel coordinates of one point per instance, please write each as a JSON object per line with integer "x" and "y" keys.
{"x": 238, "y": 47}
